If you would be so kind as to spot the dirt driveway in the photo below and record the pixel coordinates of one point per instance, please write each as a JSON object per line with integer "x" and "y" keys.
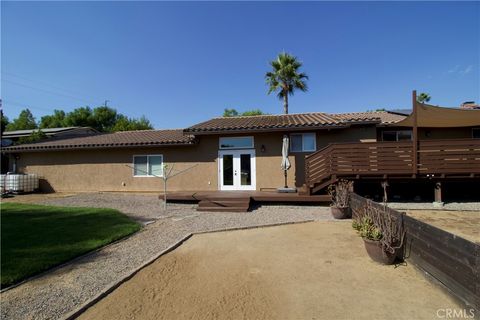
{"x": 316, "y": 270}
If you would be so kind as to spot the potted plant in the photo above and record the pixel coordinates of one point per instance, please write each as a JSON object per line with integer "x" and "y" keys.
{"x": 377, "y": 249}
{"x": 340, "y": 197}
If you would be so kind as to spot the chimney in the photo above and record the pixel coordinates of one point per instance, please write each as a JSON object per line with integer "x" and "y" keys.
{"x": 469, "y": 105}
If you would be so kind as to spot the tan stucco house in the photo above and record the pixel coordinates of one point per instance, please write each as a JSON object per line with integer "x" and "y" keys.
{"x": 234, "y": 153}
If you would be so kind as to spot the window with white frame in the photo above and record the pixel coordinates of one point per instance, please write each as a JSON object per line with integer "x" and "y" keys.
{"x": 400, "y": 135}
{"x": 476, "y": 133}
{"x": 236, "y": 143}
{"x": 148, "y": 166}
{"x": 303, "y": 142}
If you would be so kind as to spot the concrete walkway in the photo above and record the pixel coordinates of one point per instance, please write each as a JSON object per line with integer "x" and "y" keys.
{"x": 57, "y": 293}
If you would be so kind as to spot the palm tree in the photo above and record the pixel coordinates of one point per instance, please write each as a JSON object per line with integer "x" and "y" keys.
{"x": 285, "y": 77}
{"x": 423, "y": 97}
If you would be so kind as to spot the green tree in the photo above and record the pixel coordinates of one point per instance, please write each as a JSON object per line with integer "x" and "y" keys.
{"x": 230, "y": 113}
{"x": 235, "y": 113}
{"x": 105, "y": 118}
{"x": 80, "y": 117}
{"x": 124, "y": 123}
{"x": 285, "y": 78}
{"x": 36, "y": 135}
{"x": 423, "y": 97}
{"x": 5, "y": 121}
{"x": 253, "y": 112}
{"x": 25, "y": 121}
{"x": 56, "y": 120}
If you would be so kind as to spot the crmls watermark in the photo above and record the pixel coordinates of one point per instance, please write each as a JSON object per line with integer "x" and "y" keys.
{"x": 449, "y": 313}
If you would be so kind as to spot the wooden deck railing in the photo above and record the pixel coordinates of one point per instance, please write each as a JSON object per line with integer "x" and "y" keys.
{"x": 437, "y": 157}
{"x": 449, "y": 156}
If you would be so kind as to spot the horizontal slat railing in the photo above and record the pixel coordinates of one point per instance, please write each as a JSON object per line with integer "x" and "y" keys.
{"x": 358, "y": 159}
{"x": 318, "y": 166}
{"x": 393, "y": 158}
{"x": 449, "y": 156}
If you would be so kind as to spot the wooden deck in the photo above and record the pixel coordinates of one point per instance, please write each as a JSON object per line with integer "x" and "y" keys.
{"x": 438, "y": 159}
{"x": 236, "y": 201}
{"x": 258, "y": 196}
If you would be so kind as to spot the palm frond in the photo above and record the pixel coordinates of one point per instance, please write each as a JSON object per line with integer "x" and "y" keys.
{"x": 285, "y": 78}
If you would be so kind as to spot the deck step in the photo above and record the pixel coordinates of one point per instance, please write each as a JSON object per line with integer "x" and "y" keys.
{"x": 225, "y": 204}
{"x": 222, "y": 209}
{"x": 222, "y": 204}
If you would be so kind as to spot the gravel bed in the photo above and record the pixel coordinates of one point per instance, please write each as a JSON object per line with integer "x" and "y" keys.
{"x": 454, "y": 206}
{"x": 56, "y": 293}
{"x": 140, "y": 207}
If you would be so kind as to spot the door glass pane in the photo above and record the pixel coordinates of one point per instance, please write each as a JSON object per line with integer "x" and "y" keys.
{"x": 245, "y": 170}
{"x": 228, "y": 170}
{"x": 236, "y": 142}
{"x": 155, "y": 166}
{"x": 140, "y": 166}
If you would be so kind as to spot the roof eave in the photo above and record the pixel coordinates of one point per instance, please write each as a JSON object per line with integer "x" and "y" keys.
{"x": 263, "y": 130}
{"x": 93, "y": 147}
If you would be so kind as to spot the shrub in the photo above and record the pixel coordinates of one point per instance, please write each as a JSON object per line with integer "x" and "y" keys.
{"x": 340, "y": 193}
{"x": 368, "y": 230}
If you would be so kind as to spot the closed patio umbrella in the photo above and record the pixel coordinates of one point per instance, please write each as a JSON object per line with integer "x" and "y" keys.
{"x": 285, "y": 162}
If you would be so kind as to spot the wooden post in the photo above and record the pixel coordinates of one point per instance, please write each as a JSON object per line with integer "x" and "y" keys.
{"x": 415, "y": 133}
{"x": 385, "y": 195}
{"x": 438, "y": 192}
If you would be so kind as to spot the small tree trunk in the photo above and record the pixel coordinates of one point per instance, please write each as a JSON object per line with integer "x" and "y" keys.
{"x": 285, "y": 102}
{"x": 164, "y": 194}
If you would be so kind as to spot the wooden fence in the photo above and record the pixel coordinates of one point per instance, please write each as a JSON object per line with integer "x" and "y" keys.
{"x": 452, "y": 260}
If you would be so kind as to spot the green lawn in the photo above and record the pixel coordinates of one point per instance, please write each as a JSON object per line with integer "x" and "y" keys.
{"x": 36, "y": 238}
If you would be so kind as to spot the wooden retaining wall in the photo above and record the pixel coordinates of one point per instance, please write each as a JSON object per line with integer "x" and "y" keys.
{"x": 450, "y": 259}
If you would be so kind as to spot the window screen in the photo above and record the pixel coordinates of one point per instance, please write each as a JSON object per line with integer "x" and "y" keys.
{"x": 302, "y": 142}
{"x": 148, "y": 166}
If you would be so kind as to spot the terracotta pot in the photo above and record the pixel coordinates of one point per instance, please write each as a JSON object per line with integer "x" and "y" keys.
{"x": 341, "y": 213}
{"x": 376, "y": 253}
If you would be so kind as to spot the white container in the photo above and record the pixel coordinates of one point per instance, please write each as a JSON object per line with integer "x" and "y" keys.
{"x": 19, "y": 183}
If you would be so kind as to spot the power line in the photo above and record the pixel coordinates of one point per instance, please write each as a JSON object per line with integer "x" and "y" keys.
{"x": 26, "y": 105}
{"x": 67, "y": 91}
{"x": 47, "y": 91}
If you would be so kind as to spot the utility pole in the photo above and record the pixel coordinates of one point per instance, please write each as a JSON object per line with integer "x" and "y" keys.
{"x": 105, "y": 103}
{"x": 1, "y": 117}
{"x": 415, "y": 132}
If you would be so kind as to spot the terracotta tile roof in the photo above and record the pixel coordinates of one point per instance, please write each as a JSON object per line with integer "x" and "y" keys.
{"x": 385, "y": 117}
{"x": 139, "y": 138}
{"x": 291, "y": 121}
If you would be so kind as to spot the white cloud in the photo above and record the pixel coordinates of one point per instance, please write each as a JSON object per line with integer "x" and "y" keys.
{"x": 461, "y": 70}
{"x": 454, "y": 69}
{"x": 468, "y": 69}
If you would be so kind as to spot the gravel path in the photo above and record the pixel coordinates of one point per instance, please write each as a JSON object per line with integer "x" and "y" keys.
{"x": 455, "y": 206}
{"x": 54, "y": 294}
{"x": 140, "y": 207}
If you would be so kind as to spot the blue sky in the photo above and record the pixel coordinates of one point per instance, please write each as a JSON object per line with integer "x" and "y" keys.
{"x": 182, "y": 63}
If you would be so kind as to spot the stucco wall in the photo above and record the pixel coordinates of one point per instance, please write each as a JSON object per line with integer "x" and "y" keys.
{"x": 111, "y": 169}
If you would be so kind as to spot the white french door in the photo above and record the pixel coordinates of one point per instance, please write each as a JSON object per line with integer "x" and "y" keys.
{"x": 236, "y": 170}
